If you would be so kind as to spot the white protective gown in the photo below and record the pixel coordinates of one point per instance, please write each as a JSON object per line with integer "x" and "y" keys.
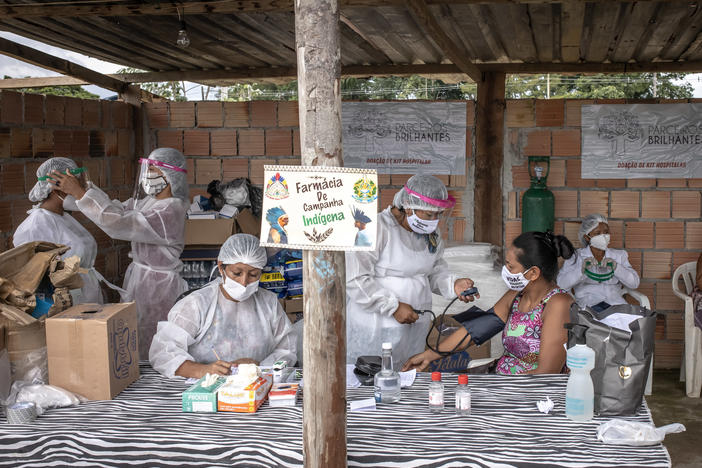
{"x": 589, "y": 292}
{"x": 400, "y": 269}
{"x": 156, "y": 229}
{"x": 47, "y": 226}
{"x": 205, "y": 321}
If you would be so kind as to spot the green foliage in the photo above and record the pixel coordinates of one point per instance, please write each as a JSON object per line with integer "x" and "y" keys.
{"x": 172, "y": 90}
{"x": 70, "y": 91}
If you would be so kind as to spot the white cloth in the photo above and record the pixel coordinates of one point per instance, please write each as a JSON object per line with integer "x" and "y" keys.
{"x": 589, "y": 292}
{"x": 205, "y": 320}
{"x": 47, "y": 226}
{"x": 400, "y": 269}
{"x": 156, "y": 229}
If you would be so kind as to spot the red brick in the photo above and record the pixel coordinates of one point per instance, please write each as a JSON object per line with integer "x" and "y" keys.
{"x": 5, "y": 217}
{"x": 209, "y": 114}
{"x": 236, "y": 114}
{"x": 520, "y": 176}
{"x": 207, "y": 170}
{"x": 384, "y": 179}
{"x": 97, "y": 144}
{"x": 459, "y": 228}
{"x": 55, "y": 110}
{"x": 470, "y": 114}
{"x": 400, "y": 179}
{"x": 640, "y": 183}
{"x": 550, "y": 113}
{"x": 454, "y": 180}
{"x": 512, "y": 230}
{"x": 520, "y": 113}
{"x": 105, "y": 114}
{"x": 95, "y": 171}
{"x": 11, "y": 107}
{"x": 670, "y": 235}
{"x": 469, "y": 144}
{"x": 672, "y": 183}
{"x": 639, "y": 235}
{"x": 538, "y": 143}
{"x": 196, "y": 143}
{"x": 610, "y": 183}
{"x": 124, "y": 142}
{"x": 694, "y": 183}
{"x": 570, "y": 230}
{"x": 5, "y": 142}
{"x": 182, "y": 114}
{"x": 33, "y": 109}
{"x": 111, "y": 148}
{"x": 635, "y": 260}
{"x": 42, "y": 142}
{"x": 686, "y": 204}
{"x": 655, "y": 204}
{"x": 296, "y": 143}
{"x": 257, "y": 169}
{"x": 263, "y": 113}
{"x": 573, "y": 111}
{"x": 616, "y": 231}
{"x": 666, "y": 299}
{"x": 19, "y": 211}
{"x": 558, "y": 227}
{"x": 557, "y": 173}
{"x": 566, "y": 142}
{"x": 121, "y": 117}
{"x": 80, "y": 144}
{"x": 30, "y": 175}
{"x": 190, "y": 167}
{"x": 278, "y": 142}
{"x": 647, "y": 289}
{"x": 21, "y": 144}
{"x": 91, "y": 113}
{"x": 512, "y": 204}
{"x": 657, "y": 265}
{"x": 292, "y": 162}
{"x": 235, "y": 168}
{"x": 12, "y": 178}
{"x": 574, "y": 177}
{"x": 251, "y": 142}
{"x": 680, "y": 258}
{"x": 458, "y": 207}
{"x": 194, "y": 192}
{"x": 566, "y": 203}
{"x": 594, "y": 202}
{"x": 223, "y": 143}
{"x": 157, "y": 114}
{"x": 117, "y": 172}
{"x": 288, "y": 114}
{"x": 63, "y": 141}
{"x": 386, "y": 197}
{"x": 674, "y": 323}
{"x": 74, "y": 112}
{"x": 693, "y": 236}
{"x": 625, "y": 204}
{"x": 170, "y": 139}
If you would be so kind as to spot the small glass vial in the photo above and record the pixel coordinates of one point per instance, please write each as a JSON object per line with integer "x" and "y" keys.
{"x": 463, "y": 396}
{"x": 436, "y": 393}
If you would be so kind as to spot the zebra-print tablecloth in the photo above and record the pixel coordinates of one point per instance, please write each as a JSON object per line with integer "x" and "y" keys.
{"x": 144, "y": 426}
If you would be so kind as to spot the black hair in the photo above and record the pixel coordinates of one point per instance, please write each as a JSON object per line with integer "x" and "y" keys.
{"x": 542, "y": 249}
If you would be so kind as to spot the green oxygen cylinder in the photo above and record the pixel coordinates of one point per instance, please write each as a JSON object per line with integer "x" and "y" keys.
{"x": 538, "y": 203}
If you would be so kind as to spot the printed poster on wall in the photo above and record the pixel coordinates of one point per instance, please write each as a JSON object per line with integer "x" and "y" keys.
{"x": 405, "y": 137}
{"x": 640, "y": 141}
{"x": 319, "y": 208}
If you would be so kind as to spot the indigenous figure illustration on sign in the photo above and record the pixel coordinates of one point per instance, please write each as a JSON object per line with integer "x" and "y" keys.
{"x": 359, "y": 222}
{"x": 278, "y": 219}
{"x": 277, "y": 187}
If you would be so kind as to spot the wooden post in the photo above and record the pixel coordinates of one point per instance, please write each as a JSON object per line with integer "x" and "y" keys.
{"x": 319, "y": 83}
{"x": 489, "y": 155}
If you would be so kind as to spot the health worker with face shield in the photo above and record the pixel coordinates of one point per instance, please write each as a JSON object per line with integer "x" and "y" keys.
{"x": 154, "y": 221}
{"x": 49, "y": 221}
{"x": 228, "y": 322}
{"x": 385, "y": 286}
{"x": 597, "y": 272}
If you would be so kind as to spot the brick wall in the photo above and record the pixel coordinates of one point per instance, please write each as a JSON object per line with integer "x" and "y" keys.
{"x": 98, "y": 135}
{"x": 657, "y": 221}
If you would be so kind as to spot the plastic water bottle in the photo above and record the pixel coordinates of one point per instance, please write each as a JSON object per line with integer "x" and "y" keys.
{"x": 463, "y": 396}
{"x": 436, "y": 393}
{"x": 387, "y": 381}
{"x": 580, "y": 393}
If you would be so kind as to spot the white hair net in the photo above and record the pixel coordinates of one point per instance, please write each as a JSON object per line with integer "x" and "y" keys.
{"x": 177, "y": 180}
{"x": 426, "y": 185}
{"x": 42, "y": 188}
{"x": 589, "y": 223}
{"x": 243, "y": 248}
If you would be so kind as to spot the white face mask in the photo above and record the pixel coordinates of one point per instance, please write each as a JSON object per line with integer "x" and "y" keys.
{"x": 238, "y": 292}
{"x": 154, "y": 185}
{"x": 514, "y": 281}
{"x": 600, "y": 241}
{"x": 422, "y": 226}
{"x": 69, "y": 203}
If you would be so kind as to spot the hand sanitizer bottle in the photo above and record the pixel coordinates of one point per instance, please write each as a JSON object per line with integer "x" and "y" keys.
{"x": 580, "y": 393}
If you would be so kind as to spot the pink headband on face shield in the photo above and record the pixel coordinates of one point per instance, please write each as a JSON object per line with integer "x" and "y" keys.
{"x": 444, "y": 204}
{"x": 153, "y": 162}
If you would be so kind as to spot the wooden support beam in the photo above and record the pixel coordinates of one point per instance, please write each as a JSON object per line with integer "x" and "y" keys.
{"x": 15, "y": 83}
{"x": 489, "y": 157}
{"x": 426, "y": 21}
{"x": 49, "y": 62}
{"x": 318, "y": 44}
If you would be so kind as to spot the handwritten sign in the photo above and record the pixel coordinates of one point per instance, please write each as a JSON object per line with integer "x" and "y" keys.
{"x": 319, "y": 208}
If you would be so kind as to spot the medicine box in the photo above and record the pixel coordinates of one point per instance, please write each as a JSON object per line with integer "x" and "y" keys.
{"x": 283, "y": 394}
{"x": 199, "y": 399}
{"x": 244, "y": 400}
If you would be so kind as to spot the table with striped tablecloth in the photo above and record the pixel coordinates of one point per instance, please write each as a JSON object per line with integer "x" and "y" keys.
{"x": 144, "y": 426}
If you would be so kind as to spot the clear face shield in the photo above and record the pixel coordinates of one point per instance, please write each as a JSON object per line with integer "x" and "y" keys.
{"x": 151, "y": 179}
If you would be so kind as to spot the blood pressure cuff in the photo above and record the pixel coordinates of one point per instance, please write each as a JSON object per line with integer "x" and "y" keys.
{"x": 481, "y": 325}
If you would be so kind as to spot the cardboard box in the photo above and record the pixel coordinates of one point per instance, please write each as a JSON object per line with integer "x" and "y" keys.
{"x": 208, "y": 231}
{"x": 26, "y": 349}
{"x": 247, "y": 223}
{"x": 93, "y": 349}
{"x": 247, "y": 400}
{"x": 199, "y": 399}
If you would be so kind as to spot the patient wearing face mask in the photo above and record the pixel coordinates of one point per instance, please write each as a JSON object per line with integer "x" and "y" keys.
{"x": 228, "y": 322}
{"x": 530, "y": 315}
{"x": 597, "y": 272}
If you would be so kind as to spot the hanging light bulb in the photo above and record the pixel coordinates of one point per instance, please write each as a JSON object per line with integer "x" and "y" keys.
{"x": 183, "y": 40}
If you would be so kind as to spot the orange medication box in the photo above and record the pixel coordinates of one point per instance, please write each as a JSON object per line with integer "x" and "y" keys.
{"x": 244, "y": 400}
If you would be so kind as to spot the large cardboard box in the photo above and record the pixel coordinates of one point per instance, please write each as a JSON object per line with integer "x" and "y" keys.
{"x": 247, "y": 223}
{"x": 208, "y": 231}
{"x": 93, "y": 349}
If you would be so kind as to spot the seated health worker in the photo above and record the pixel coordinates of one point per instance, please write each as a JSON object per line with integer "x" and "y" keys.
{"x": 385, "y": 285}
{"x": 228, "y": 322}
{"x": 597, "y": 272}
{"x": 154, "y": 221}
{"x": 531, "y": 315}
{"x": 49, "y": 221}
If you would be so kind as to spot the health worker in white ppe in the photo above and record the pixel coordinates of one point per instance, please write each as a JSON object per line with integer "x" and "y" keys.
{"x": 385, "y": 286}
{"x": 597, "y": 272}
{"x": 154, "y": 221}
{"x": 228, "y": 322}
{"x": 49, "y": 221}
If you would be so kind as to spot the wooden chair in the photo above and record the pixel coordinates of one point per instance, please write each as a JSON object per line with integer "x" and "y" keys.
{"x": 691, "y": 367}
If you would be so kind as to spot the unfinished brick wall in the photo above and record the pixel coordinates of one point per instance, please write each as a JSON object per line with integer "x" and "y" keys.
{"x": 96, "y": 134}
{"x": 657, "y": 221}
{"x": 225, "y": 140}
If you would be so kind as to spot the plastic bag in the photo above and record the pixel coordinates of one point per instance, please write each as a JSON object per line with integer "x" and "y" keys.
{"x": 622, "y": 432}
{"x": 44, "y": 396}
{"x": 32, "y": 367}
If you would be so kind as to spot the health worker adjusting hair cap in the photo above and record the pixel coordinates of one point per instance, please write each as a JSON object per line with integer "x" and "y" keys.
{"x": 177, "y": 179}
{"x": 423, "y": 192}
{"x": 589, "y": 223}
{"x": 243, "y": 248}
{"x": 42, "y": 188}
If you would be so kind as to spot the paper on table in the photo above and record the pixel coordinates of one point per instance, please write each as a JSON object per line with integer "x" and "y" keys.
{"x": 367, "y": 404}
{"x": 193, "y": 380}
{"x": 620, "y": 321}
{"x": 407, "y": 378}
{"x": 351, "y": 380}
